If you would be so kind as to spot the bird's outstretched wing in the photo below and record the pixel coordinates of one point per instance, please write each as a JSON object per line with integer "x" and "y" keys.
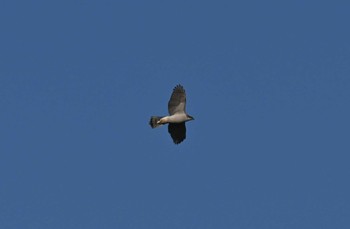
{"x": 177, "y": 132}
{"x": 177, "y": 102}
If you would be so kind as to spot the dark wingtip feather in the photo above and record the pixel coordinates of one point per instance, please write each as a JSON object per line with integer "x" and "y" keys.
{"x": 179, "y": 87}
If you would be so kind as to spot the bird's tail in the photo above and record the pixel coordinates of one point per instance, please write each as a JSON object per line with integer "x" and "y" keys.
{"x": 154, "y": 121}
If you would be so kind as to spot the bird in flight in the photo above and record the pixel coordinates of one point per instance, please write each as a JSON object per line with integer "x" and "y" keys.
{"x": 177, "y": 116}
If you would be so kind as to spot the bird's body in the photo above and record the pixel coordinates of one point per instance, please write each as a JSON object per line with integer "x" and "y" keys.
{"x": 175, "y": 118}
{"x": 177, "y": 115}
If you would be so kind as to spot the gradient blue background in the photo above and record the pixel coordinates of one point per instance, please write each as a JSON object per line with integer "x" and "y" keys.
{"x": 268, "y": 83}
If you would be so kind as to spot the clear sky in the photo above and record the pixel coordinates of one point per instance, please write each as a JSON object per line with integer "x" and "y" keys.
{"x": 268, "y": 83}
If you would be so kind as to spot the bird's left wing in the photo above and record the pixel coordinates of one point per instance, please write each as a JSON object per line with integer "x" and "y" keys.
{"x": 177, "y": 132}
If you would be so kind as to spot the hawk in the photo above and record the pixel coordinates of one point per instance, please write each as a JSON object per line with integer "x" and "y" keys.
{"x": 177, "y": 116}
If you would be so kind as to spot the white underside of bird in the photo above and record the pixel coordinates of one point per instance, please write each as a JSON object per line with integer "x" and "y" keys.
{"x": 175, "y": 118}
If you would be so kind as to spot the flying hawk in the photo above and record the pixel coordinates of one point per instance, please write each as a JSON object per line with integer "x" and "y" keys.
{"x": 177, "y": 116}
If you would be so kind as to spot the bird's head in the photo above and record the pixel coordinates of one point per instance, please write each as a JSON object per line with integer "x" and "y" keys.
{"x": 189, "y": 118}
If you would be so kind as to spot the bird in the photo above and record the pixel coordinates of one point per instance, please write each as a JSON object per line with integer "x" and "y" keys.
{"x": 177, "y": 115}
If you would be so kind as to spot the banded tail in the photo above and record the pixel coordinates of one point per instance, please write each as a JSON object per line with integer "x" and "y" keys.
{"x": 154, "y": 121}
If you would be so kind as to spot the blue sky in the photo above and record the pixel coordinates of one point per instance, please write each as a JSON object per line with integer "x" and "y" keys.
{"x": 267, "y": 82}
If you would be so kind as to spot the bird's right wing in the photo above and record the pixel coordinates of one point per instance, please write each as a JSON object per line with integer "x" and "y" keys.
{"x": 177, "y": 102}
